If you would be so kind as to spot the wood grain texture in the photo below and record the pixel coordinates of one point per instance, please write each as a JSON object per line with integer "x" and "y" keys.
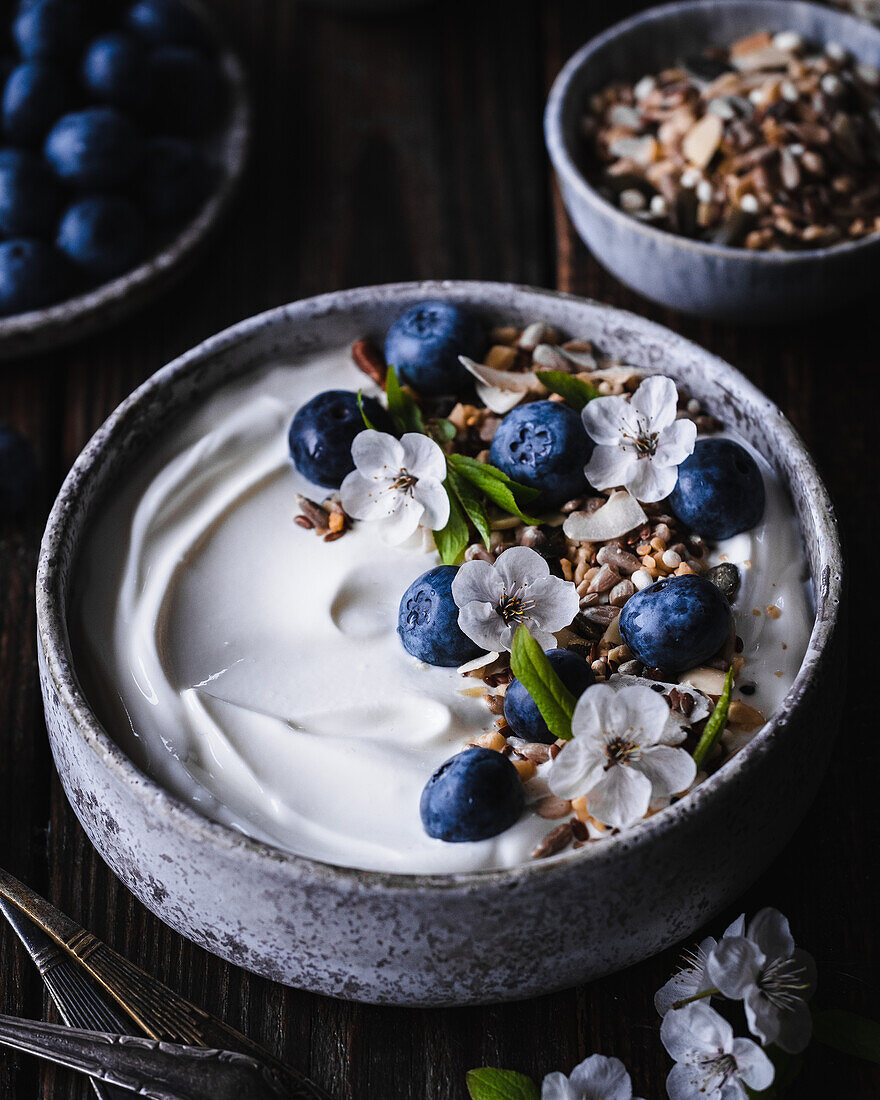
{"x": 390, "y": 148}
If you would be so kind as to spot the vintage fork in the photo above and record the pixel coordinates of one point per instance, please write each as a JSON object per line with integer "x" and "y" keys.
{"x": 157, "y": 1010}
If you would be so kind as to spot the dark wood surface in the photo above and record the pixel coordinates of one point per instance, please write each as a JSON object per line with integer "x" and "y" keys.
{"x": 400, "y": 147}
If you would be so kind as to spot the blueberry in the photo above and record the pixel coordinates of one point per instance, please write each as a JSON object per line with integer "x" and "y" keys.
{"x": 323, "y": 431}
{"x": 677, "y": 623}
{"x": 186, "y": 91}
{"x": 175, "y": 180}
{"x": 95, "y": 148}
{"x": 543, "y": 445}
{"x": 49, "y": 28}
{"x": 166, "y": 22}
{"x": 720, "y": 491}
{"x": 423, "y": 346}
{"x": 102, "y": 234}
{"x": 520, "y": 710}
{"x": 29, "y": 195}
{"x": 427, "y": 621}
{"x": 35, "y": 94}
{"x": 115, "y": 70}
{"x": 32, "y": 275}
{"x": 17, "y": 471}
{"x": 473, "y": 796}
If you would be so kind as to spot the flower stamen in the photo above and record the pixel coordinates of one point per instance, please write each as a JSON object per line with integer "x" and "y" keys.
{"x": 404, "y": 483}
{"x": 513, "y": 607}
{"x": 620, "y": 751}
{"x": 779, "y": 982}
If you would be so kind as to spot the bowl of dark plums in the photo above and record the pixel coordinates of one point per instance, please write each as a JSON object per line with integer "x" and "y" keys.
{"x": 124, "y": 131}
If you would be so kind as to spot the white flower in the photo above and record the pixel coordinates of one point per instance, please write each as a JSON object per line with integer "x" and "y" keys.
{"x": 518, "y": 588}
{"x": 597, "y": 1078}
{"x": 764, "y": 969}
{"x": 398, "y": 481}
{"x": 639, "y": 443}
{"x": 621, "y": 755}
{"x": 710, "y": 1063}
{"x": 692, "y": 978}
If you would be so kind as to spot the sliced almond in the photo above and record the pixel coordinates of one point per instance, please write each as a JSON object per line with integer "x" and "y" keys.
{"x": 744, "y": 717}
{"x": 708, "y": 680}
{"x": 702, "y": 140}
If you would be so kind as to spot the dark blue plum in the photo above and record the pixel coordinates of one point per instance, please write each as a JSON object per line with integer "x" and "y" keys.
{"x": 35, "y": 94}
{"x": 18, "y": 471}
{"x": 473, "y": 796}
{"x": 32, "y": 274}
{"x": 720, "y": 490}
{"x": 323, "y": 431}
{"x": 186, "y": 91}
{"x": 102, "y": 234}
{"x": 520, "y": 709}
{"x": 175, "y": 180}
{"x": 94, "y": 149}
{"x": 427, "y": 621}
{"x": 423, "y": 346}
{"x": 116, "y": 70}
{"x": 49, "y": 28}
{"x": 677, "y": 623}
{"x": 29, "y": 195}
{"x": 165, "y": 23}
{"x": 544, "y": 445}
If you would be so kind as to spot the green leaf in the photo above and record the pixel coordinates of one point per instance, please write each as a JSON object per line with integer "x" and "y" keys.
{"x": 497, "y": 486}
{"x": 452, "y": 540}
{"x": 717, "y": 721}
{"x": 402, "y": 406}
{"x": 576, "y": 391}
{"x": 552, "y": 698}
{"x": 472, "y": 504}
{"x": 500, "y": 1084}
{"x": 366, "y": 419}
{"x": 444, "y": 431}
{"x": 848, "y": 1033}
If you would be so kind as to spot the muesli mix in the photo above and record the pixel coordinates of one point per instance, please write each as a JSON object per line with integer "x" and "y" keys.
{"x": 772, "y": 143}
{"x": 572, "y": 499}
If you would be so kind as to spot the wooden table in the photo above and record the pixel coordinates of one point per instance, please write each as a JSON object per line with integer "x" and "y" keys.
{"x": 403, "y": 147}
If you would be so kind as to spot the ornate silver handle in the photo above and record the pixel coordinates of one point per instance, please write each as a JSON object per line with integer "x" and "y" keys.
{"x": 146, "y": 1067}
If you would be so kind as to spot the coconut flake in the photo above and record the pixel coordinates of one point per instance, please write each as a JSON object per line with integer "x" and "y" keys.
{"x": 478, "y": 662}
{"x": 702, "y": 704}
{"x": 500, "y": 390}
{"x": 613, "y": 520}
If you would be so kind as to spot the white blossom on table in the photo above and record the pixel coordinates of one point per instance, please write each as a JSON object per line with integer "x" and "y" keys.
{"x": 639, "y": 442}
{"x": 494, "y": 599}
{"x": 692, "y": 978}
{"x": 398, "y": 482}
{"x": 623, "y": 754}
{"x": 772, "y": 977}
{"x": 710, "y": 1064}
{"x": 596, "y": 1078}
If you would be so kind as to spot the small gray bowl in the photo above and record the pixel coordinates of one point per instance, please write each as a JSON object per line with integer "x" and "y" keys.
{"x": 53, "y": 326}
{"x": 730, "y": 284}
{"x": 437, "y": 939}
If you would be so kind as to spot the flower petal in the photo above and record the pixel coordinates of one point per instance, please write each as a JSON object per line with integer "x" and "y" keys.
{"x": 676, "y": 443}
{"x": 520, "y": 565}
{"x": 477, "y": 580}
{"x": 753, "y": 1065}
{"x": 604, "y": 418}
{"x": 770, "y": 930}
{"x": 429, "y": 492}
{"x": 402, "y": 523}
{"x": 656, "y": 400}
{"x": 483, "y": 625}
{"x": 556, "y": 1087}
{"x": 687, "y": 981}
{"x": 737, "y": 927}
{"x": 365, "y": 498}
{"x": 556, "y": 602}
{"x": 375, "y": 453}
{"x": 577, "y": 769}
{"x": 601, "y": 1078}
{"x": 669, "y": 770}
{"x": 695, "y": 1031}
{"x": 688, "y": 1082}
{"x": 609, "y": 467}
{"x": 621, "y": 797}
{"x": 794, "y": 1028}
{"x": 649, "y": 481}
{"x": 734, "y": 966}
{"x": 422, "y": 457}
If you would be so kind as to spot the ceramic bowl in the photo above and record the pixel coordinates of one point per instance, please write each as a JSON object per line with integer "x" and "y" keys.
{"x": 62, "y": 323}
{"x": 731, "y": 284}
{"x": 437, "y": 939}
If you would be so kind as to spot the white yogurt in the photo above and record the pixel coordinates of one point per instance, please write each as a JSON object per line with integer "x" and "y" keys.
{"x": 255, "y": 671}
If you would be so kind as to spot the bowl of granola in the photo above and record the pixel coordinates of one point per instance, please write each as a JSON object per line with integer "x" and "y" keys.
{"x": 722, "y": 159}
{"x": 419, "y": 608}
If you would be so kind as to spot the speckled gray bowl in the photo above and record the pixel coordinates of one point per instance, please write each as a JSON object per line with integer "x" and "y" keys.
{"x": 730, "y": 284}
{"x": 418, "y": 939}
{"x": 43, "y": 329}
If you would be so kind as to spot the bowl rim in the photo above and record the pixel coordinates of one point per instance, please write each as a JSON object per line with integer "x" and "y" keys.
{"x": 39, "y": 330}
{"x": 565, "y": 166}
{"x": 62, "y": 528}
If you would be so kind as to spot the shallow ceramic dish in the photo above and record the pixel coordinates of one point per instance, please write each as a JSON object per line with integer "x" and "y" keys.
{"x": 731, "y": 284}
{"x": 415, "y": 939}
{"x": 42, "y": 329}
